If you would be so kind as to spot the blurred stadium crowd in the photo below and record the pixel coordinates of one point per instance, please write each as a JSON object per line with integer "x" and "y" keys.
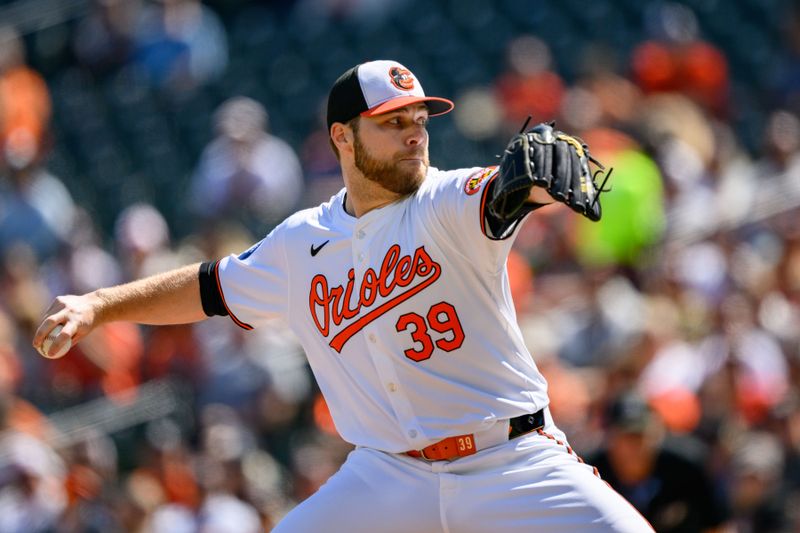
{"x": 138, "y": 135}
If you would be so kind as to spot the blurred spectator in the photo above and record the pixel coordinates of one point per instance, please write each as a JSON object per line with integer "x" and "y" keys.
{"x": 104, "y": 40}
{"x": 323, "y": 176}
{"x": 675, "y": 368}
{"x": 24, "y": 99}
{"x": 604, "y": 323}
{"x": 181, "y": 44}
{"x": 664, "y": 479}
{"x": 752, "y": 358}
{"x": 32, "y": 477}
{"x": 246, "y": 174}
{"x": 203, "y": 490}
{"x": 478, "y": 114}
{"x": 784, "y": 72}
{"x": 10, "y": 364}
{"x": 92, "y": 469}
{"x": 529, "y": 87}
{"x": 676, "y": 59}
{"x": 601, "y": 97}
{"x": 90, "y": 265}
{"x": 106, "y": 363}
{"x": 781, "y": 149}
{"x": 224, "y": 513}
{"x": 633, "y": 209}
{"x": 571, "y": 390}
{"x": 322, "y": 172}
{"x": 35, "y": 207}
{"x": 142, "y": 238}
{"x": 786, "y": 426}
{"x": 232, "y": 377}
{"x": 315, "y": 458}
{"x": 23, "y": 294}
{"x": 681, "y": 138}
{"x": 759, "y": 503}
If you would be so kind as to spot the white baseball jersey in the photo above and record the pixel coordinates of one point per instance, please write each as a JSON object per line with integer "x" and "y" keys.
{"x": 405, "y": 313}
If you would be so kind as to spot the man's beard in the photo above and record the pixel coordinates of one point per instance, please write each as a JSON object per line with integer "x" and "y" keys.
{"x": 390, "y": 174}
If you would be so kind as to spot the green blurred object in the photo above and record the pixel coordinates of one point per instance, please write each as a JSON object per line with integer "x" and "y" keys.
{"x": 633, "y": 213}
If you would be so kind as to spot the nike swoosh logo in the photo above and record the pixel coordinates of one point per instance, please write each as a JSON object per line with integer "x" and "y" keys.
{"x": 315, "y": 249}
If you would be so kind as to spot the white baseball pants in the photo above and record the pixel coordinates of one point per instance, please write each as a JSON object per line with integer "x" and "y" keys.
{"x": 531, "y": 483}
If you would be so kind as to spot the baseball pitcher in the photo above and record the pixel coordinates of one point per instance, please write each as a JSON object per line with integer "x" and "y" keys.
{"x": 398, "y": 292}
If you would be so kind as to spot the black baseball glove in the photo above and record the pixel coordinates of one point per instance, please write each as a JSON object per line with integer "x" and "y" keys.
{"x": 553, "y": 160}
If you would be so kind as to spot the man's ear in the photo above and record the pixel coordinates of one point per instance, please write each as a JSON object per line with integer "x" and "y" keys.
{"x": 342, "y": 137}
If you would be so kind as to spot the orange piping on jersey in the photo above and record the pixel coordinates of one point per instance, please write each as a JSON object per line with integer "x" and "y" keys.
{"x": 594, "y": 470}
{"x": 483, "y": 204}
{"x": 569, "y": 450}
{"x": 629, "y": 503}
{"x": 236, "y": 321}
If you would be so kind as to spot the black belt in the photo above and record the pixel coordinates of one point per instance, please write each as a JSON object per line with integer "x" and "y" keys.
{"x": 525, "y": 424}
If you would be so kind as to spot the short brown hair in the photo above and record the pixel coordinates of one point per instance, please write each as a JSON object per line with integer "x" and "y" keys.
{"x": 353, "y": 123}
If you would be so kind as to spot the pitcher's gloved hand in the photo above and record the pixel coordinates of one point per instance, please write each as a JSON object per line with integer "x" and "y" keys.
{"x": 550, "y": 159}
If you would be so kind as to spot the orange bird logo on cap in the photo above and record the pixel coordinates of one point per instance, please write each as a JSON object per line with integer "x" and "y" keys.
{"x": 401, "y": 78}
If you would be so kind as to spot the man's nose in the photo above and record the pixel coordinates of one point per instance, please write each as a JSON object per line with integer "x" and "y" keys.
{"x": 417, "y": 136}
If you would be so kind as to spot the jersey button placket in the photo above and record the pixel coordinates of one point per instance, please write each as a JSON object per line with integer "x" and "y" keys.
{"x": 388, "y": 375}
{"x": 360, "y": 256}
{"x": 378, "y": 349}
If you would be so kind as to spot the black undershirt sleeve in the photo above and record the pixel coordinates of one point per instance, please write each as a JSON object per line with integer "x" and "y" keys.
{"x": 210, "y": 295}
{"x": 499, "y": 230}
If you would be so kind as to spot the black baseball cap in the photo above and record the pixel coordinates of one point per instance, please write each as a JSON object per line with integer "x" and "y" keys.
{"x": 629, "y": 412}
{"x": 377, "y": 87}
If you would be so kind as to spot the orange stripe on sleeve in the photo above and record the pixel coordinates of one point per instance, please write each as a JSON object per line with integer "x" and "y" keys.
{"x": 236, "y": 321}
{"x": 483, "y": 204}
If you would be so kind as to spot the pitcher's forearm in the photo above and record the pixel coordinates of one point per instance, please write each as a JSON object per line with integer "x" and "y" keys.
{"x": 169, "y": 298}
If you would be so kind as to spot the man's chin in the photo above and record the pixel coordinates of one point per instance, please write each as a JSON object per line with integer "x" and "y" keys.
{"x": 407, "y": 182}
{"x": 416, "y": 177}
